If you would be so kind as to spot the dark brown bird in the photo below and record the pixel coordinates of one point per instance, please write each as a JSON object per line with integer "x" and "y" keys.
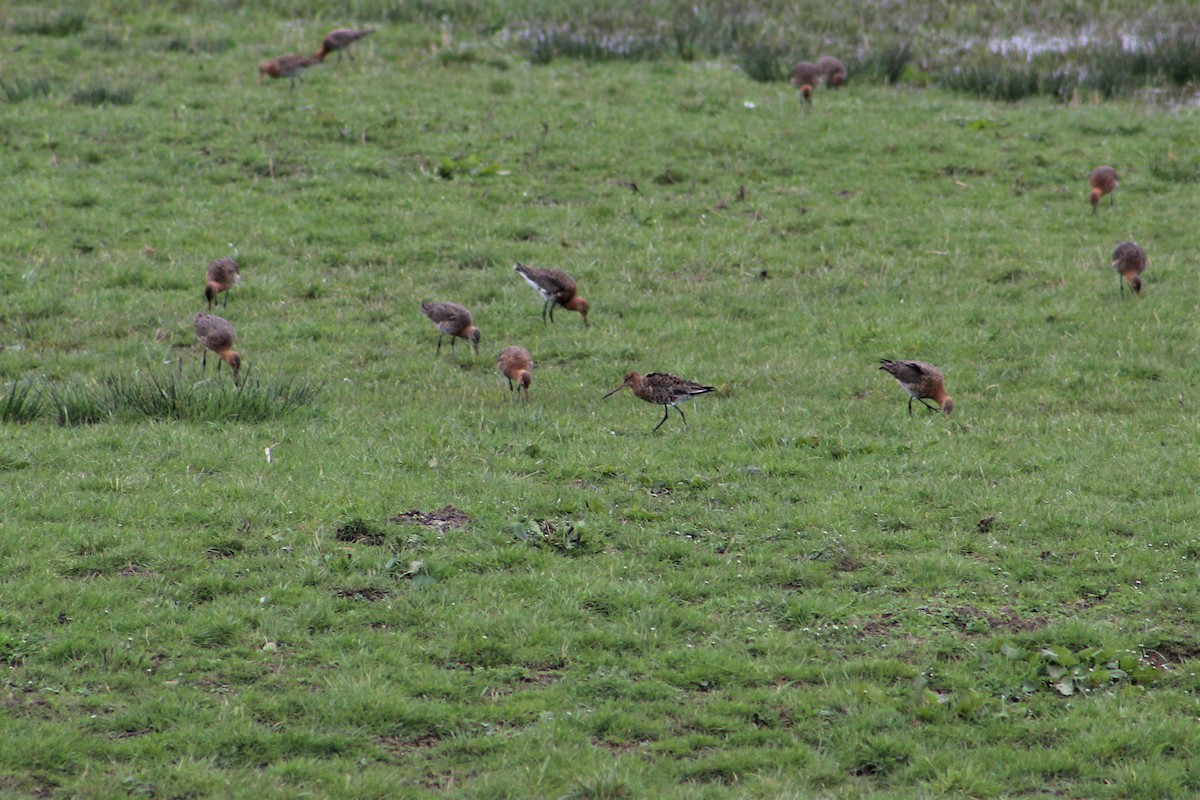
{"x": 805, "y": 77}
{"x": 218, "y": 335}
{"x": 663, "y": 390}
{"x": 454, "y": 321}
{"x": 1102, "y": 180}
{"x": 290, "y": 67}
{"x": 222, "y": 276}
{"x": 514, "y": 363}
{"x": 921, "y": 381}
{"x": 1130, "y": 262}
{"x": 340, "y": 40}
{"x": 833, "y": 71}
{"x": 556, "y": 288}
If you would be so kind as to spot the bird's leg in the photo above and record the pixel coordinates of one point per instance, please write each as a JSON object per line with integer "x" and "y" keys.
{"x": 349, "y": 55}
{"x": 510, "y": 386}
{"x": 931, "y": 408}
{"x": 226, "y": 299}
{"x": 910, "y": 406}
{"x": 666, "y": 413}
{"x": 681, "y": 416}
{"x": 203, "y": 362}
{"x": 292, "y": 81}
{"x": 439, "y": 348}
{"x": 552, "y": 304}
{"x": 545, "y": 306}
{"x": 1121, "y": 283}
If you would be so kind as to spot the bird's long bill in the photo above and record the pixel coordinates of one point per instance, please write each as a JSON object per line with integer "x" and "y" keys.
{"x": 614, "y": 391}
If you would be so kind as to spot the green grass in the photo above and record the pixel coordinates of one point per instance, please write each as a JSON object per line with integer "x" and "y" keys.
{"x": 415, "y": 584}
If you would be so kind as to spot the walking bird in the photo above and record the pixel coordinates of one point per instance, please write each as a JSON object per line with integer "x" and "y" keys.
{"x": 514, "y": 363}
{"x": 290, "y": 67}
{"x": 663, "y": 390}
{"x": 833, "y": 71}
{"x": 1102, "y": 180}
{"x": 556, "y": 288}
{"x": 340, "y": 40}
{"x": 222, "y": 276}
{"x": 805, "y": 77}
{"x": 454, "y": 321}
{"x": 921, "y": 381}
{"x": 1129, "y": 261}
{"x": 218, "y": 335}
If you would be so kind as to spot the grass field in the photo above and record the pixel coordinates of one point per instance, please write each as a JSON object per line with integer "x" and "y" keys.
{"x": 378, "y": 574}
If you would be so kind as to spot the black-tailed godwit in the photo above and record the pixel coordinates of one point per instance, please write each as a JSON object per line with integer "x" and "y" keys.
{"x": 1102, "y": 180}
{"x": 454, "y": 321}
{"x": 833, "y": 71}
{"x": 218, "y": 335}
{"x": 805, "y": 77}
{"x": 340, "y": 40}
{"x": 222, "y": 276}
{"x": 921, "y": 381}
{"x": 1129, "y": 261}
{"x": 663, "y": 390}
{"x": 556, "y": 288}
{"x": 514, "y": 363}
{"x": 290, "y": 67}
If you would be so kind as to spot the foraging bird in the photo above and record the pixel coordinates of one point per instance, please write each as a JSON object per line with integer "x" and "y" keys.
{"x": 340, "y": 40}
{"x": 833, "y": 71}
{"x": 1129, "y": 261}
{"x": 663, "y": 390}
{"x": 290, "y": 67}
{"x": 218, "y": 335}
{"x": 805, "y": 77}
{"x": 514, "y": 363}
{"x": 921, "y": 381}
{"x": 1102, "y": 180}
{"x": 222, "y": 276}
{"x": 454, "y": 321}
{"x": 556, "y": 288}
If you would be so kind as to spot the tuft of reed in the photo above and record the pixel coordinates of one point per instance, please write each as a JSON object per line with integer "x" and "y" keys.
{"x": 21, "y": 403}
{"x": 65, "y": 22}
{"x": 102, "y": 96}
{"x": 546, "y": 44}
{"x": 20, "y": 89}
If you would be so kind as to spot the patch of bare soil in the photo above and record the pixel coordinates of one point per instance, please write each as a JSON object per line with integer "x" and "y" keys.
{"x": 444, "y": 519}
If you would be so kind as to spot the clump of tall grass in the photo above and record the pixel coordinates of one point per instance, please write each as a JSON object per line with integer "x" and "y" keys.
{"x": 764, "y": 62}
{"x": 1167, "y": 167}
{"x": 883, "y": 65}
{"x": 21, "y": 403}
{"x": 76, "y": 404}
{"x": 1010, "y": 82}
{"x": 20, "y": 89}
{"x": 544, "y": 45}
{"x": 65, "y": 22}
{"x": 169, "y": 396}
{"x": 102, "y": 96}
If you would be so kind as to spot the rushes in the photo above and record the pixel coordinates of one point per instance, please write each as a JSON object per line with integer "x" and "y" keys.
{"x": 163, "y": 396}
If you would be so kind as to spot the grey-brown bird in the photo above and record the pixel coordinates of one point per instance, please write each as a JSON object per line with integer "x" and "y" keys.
{"x": 290, "y": 67}
{"x": 805, "y": 77}
{"x": 218, "y": 335}
{"x": 1102, "y": 180}
{"x": 833, "y": 71}
{"x": 222, "y": 276}
{"x": 1130, "y": 262}
{"x": 454, "y": 321}
{"x": 515, "y": 364}
{"x": 663, "y": 390}
{"x": 556, "y": 288}
{"x": 340, "y": 40}
{"x": 922, "y": 381}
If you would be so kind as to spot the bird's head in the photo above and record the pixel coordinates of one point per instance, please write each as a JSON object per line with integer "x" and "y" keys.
{"x": 476, "y": 336}
{"x": 947, "y": 406}
{"x": 631, "y": 380}
{"x": 580, "y": 305}
{"x": 1135, "y": 283}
